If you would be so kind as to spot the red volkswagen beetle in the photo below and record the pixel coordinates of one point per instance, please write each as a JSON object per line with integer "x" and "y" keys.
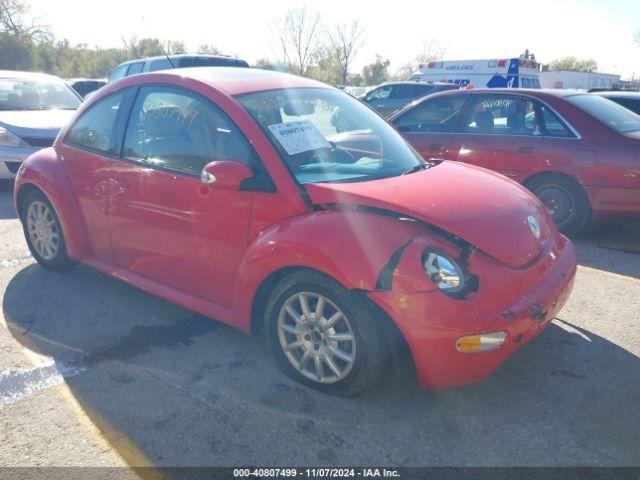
{"x": 578, "y": 152}
{"x": 287, "y": 208}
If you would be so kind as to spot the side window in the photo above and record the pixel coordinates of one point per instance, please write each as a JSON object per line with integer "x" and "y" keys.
{"x": 177, "y": 130}
{"x": 628, "y": 103}
{"x": 437, "y": 115}
{"x": 380, "y": 93}
{"x": 94, "y": 130}
{"x": 502, "y": 115}
{"x": 422, "y": 90}
{"x": 135, "y": 68}
{"x": 162, "y": 64}
{"x": 553, "y": 126}
{"x": 118, "y": 73}
{"x": 402, "y": 91}
{"x": 526, "y": 82}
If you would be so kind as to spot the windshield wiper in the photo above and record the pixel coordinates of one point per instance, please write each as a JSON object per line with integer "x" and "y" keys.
{"x": 416, "y": 168}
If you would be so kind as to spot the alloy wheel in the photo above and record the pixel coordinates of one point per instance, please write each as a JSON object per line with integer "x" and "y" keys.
{"x": 316, "y": 337}
{"x": 43, "y": 230}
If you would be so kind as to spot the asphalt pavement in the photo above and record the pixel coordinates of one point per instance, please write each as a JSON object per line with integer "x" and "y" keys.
{"x": 94, "y": 372}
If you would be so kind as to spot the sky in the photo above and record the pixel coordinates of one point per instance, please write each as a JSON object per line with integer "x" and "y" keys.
{"x": 598, "y": 29}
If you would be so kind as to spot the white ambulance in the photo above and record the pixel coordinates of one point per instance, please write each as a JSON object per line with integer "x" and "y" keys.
{"x": 501, "y": 73}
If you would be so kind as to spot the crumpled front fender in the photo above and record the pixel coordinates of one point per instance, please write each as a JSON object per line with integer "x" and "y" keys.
{"x": 351, "y": 247}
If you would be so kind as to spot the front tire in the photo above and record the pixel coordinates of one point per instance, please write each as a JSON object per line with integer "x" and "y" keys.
{"x": 43, "y": 232}
{"x": 325, "y": 336}
{"x": 565, "y": 200}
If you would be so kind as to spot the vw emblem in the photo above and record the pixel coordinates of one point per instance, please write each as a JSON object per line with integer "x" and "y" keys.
{"x": 534, "y": 225}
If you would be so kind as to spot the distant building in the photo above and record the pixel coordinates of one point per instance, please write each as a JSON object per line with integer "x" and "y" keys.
{"x": 632, "y": 84}
{"x": 578, "y": 80}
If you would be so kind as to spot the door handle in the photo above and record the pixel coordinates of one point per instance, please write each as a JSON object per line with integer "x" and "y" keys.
{"x": 437, "y": 147}
{"x": 526, "y": 149}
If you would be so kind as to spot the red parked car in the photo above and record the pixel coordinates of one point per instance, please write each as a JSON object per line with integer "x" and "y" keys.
{"x": 287, "y": 208}
{"x": 578, "y": 152}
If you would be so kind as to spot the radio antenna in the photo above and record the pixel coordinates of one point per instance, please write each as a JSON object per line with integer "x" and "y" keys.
{"x": 160, "y": 44}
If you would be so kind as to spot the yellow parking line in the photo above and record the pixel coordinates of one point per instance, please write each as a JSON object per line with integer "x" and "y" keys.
{"x": 609, "y": 274}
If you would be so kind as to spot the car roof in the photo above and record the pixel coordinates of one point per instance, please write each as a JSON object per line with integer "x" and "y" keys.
{"x": 618, "y": 93}
{"x": 534, "y": 92}
{"x": 76, "y": 80}
{"x": 412, "y": 82}
{"x": 183, "y": 55}
{"x": 27, "y": 75}
{"x": 554, "y": 92}
{"x": 236, "y": 81}
{"x": 539, "y": 93}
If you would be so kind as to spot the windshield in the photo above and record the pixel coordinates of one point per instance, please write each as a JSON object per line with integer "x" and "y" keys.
{"x": 328, "y": 136}
{"x": 35, "y": 94}
{"x": 608, "y": 112}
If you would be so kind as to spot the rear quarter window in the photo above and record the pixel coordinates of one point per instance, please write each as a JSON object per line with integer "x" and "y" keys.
{"x": 607, "y": 112}
{"x": 632, "y": 104}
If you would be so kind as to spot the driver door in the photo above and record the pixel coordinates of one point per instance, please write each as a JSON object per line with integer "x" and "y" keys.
{"x": 167, "y": 225}
{"x": 429, "y": 126}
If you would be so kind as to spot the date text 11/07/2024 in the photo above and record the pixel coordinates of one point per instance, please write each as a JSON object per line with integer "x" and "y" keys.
{"x": 315, "y": 473}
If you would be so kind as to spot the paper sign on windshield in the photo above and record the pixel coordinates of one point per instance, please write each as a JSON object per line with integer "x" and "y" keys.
{"x": 300, "y": 136}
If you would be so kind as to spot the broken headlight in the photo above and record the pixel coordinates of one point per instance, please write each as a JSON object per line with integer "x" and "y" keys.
{"x": 444, "y": 271}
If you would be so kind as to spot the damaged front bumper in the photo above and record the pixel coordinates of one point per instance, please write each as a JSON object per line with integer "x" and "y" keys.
{"x": 520, "y": 302}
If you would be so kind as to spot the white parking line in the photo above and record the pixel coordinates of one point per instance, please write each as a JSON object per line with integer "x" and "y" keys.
{"x": 16, "y": 383}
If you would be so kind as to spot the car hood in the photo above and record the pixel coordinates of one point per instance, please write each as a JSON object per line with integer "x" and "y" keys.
{"x": 477, "y": 205}
{"x": 35, "y": 123}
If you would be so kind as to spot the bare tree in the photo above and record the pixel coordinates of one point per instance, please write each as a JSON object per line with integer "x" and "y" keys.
{"x": 175, "y": 47}
{"x": 431, "y": 50}
{"x": 325, "y": 65}
{"x": 296, "y": 38}
{"x": 345, "y": 40}
{"x": 208, "y": 49}
{"x": 13, "y": 21}
{"x": 574, "y": 64}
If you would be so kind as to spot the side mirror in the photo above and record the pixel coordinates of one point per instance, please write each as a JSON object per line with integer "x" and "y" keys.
{"x": 225, "y": 174}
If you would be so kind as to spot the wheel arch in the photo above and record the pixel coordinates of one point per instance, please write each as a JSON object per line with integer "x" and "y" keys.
{"x": 22, "y": 192}
{"x": 554, "y": 174}
{"x": 401, "y": 356}
{"x": 44, "y": 172}
{"x": 259, "y": 301}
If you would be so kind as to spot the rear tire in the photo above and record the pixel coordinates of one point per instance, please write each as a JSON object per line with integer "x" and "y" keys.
{"x": 565, "y": 200}
{"x": 343, "y": 358}
{"x": 43, "y": 232}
